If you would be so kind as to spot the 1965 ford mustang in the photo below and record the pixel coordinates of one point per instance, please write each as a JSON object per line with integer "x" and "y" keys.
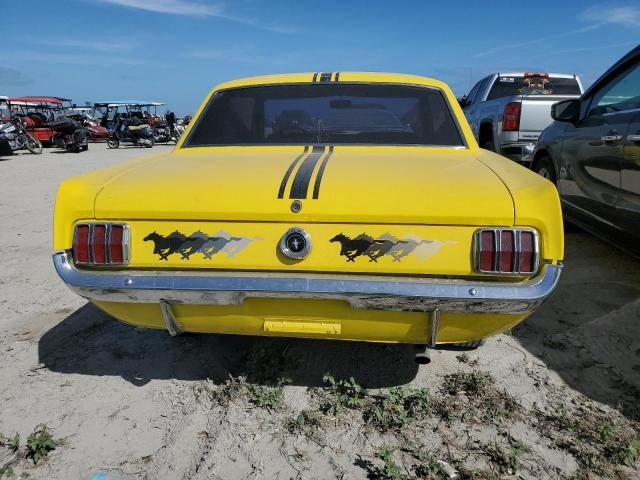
{"x": 352, "y": 206}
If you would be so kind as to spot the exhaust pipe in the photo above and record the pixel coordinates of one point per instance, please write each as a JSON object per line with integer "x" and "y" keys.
{"x": 423, "y": 355}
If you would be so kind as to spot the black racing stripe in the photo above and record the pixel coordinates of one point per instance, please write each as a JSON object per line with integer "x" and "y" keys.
{"x": 323, "y": 165}
{"x": 315, "y": 77}
{"x": 325, "y": 77}
{"x": 300, "y": 183}
{"x": 287, "y": 174}
{"x": 337, "y": 76}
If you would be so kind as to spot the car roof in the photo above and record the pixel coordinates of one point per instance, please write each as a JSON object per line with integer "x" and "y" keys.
{"x": 330, "y": 77}
{"x": 521, "y": 74}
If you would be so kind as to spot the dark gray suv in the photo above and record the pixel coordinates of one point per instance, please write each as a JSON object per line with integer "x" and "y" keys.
{"x": 592, "y": 153}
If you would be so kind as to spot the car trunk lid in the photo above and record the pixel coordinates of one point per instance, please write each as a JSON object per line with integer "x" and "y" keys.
{"x": 341, "y": 184}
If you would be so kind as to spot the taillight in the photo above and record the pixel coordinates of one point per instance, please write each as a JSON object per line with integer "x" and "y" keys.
{"x": 100, "y": 244}
{"x": 81, "y": 244}
{"x": 511, "y": 117}
{"x": 536, "y": 75}
{"x": 506, "y": 250}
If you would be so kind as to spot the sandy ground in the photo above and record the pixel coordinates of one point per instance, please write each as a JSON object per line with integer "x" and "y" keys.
{"x": 136, "y": 403}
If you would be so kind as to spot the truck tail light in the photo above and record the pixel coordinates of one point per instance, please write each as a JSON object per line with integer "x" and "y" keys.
{"x": 536, "y": 75}
{"x": 101, "y": 244}
{"x": 506, "y": 250}
{"x": 511, "y": 117}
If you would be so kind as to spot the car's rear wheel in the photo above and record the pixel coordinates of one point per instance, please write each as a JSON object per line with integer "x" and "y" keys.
{"x": 544, "y": 168}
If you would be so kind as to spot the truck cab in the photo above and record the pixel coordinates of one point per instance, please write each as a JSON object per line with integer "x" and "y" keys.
{"x": 508, "y": 111}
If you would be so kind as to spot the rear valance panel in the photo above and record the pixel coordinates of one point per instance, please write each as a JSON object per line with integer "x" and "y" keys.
{"x": 386, "y": 249}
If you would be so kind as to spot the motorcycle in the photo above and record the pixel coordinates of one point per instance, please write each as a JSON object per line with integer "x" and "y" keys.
{"x": 162, "y": 133}
{"x": 15, "y": 134}
{"x": 70, "y": 135}
{"x": 140, "y": 135}
{"x": 177, "y": 131}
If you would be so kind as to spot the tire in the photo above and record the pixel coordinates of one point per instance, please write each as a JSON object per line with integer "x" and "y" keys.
{"x": 462, "y": 346}
{"x": 113, "y": 142}
{"x": 544, "y": 167}
{"x": 150, "y": 144}
{"x": 34, "y": 145}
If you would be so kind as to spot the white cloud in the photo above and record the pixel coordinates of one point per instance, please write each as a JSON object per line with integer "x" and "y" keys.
{"x": 621, "y": 15}
{"x": 596, "y": 17}
{"x": 175, "y": 7}
{"x": 198, "y": 9}
{"x": 114, "y": 46}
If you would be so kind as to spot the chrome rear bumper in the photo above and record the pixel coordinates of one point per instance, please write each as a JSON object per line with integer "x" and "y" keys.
{"x": 361, "y": 291}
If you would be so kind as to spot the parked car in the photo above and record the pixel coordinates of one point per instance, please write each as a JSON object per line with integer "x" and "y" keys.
{"x": 508, "y": 111}
{"x": 592, "y": 153}
{"x": 375, "y": 218}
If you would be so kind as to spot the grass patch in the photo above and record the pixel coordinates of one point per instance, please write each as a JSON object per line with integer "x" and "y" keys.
{"x": 426, "y": 466}
{"x": 39, "y": 443}
{"x": 231, "y": 390}
{"x": 599, "y": 441}
{"x": 465, "y": 358}
{"x": 271, "y": 398}
{"x": 12, "y": 443}
{"x": 390, "y": 469}
{"x": 474, "y": 396}
{"x": 506, "y": 458}
{"x": 305, "y": 422}
{"x": 343, "y": 394}
{"x": 398, "y": 408}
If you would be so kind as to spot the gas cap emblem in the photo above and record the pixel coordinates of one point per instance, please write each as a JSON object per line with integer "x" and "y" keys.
{"x": 295, "y": 244}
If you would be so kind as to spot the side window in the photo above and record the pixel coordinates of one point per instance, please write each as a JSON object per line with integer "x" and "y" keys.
{"x": 473, "y": 93}
{"x": 619, "y": 95}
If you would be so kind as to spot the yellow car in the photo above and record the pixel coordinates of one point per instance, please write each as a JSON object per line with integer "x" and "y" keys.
{"x": 352, "y": 206}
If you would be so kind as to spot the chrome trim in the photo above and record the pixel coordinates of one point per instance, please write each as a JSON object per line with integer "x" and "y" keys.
{"x": 435, "y": 325}
{"x": 173, "y": 327}
{"x": 361, "y": 291}
{"x": 497, "y": 232}
{"x": 287, "y": 252}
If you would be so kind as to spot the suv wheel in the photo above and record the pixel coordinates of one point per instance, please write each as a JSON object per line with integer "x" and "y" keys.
{"x": 544, "y": 168}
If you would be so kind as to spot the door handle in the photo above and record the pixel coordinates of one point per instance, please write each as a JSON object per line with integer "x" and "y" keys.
{"x": 611, "y": 138}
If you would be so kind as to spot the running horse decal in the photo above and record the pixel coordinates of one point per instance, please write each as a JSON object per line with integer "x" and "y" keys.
{"x": 352, "y": 248}
{"x": 165, "y": 246}
{"x": 197, "y": 242}
{"x": 387, "y": 245}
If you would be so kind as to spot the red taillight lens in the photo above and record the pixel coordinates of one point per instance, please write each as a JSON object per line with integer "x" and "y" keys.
{"x": 487, "y": 254}
{"x": 81, "y": 244}
{"x": 507, "y": 251}
{"x": 115, "y": 244}
{"x": 511, "y": 117}
{"x": 527, "y": 252}
{"x": 99, "y": 244}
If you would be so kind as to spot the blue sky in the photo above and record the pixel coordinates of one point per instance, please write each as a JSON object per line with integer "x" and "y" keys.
{"x": 176, "y": 50}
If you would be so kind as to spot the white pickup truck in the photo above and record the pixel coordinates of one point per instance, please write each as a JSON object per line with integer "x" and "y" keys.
{"x": 508, "y": 111}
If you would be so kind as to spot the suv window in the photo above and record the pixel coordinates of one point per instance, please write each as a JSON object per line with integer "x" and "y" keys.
{"x": 621, "y": 94}
{"x": 333, "y": 113}
{"x": 509, "y": 85}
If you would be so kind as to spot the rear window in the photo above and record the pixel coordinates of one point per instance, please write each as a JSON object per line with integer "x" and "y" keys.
{"x": 507, "y": 86}
{"x": 326, "y": 113}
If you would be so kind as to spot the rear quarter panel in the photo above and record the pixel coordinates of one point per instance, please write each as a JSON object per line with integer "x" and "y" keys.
{"x": 536, "y": 203}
